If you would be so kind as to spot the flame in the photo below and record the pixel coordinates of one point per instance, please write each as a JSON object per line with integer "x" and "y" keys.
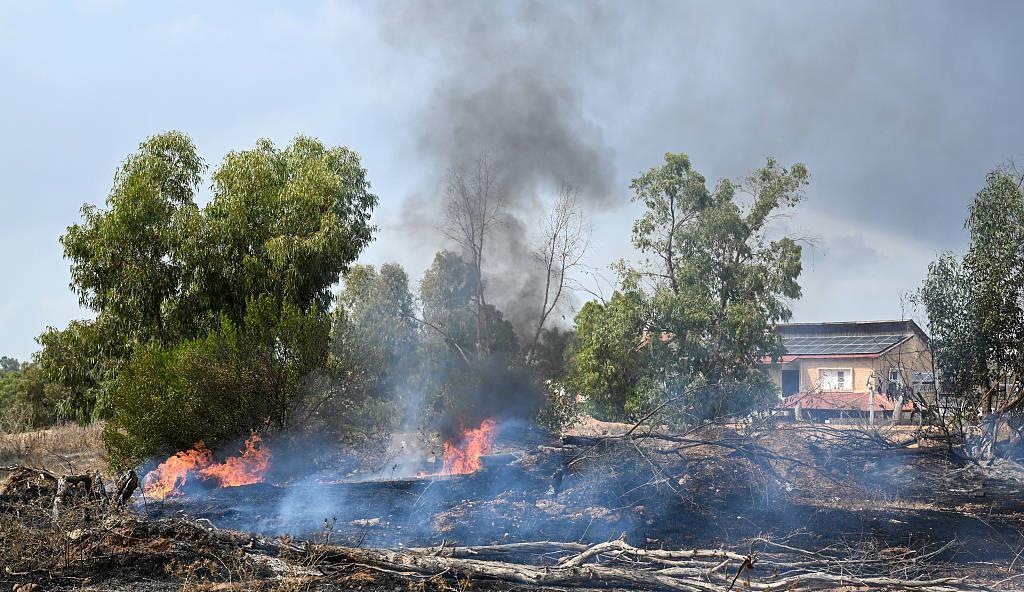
{"x": 168, "y": 478}
{"x": 463, "y": 456}
{"x": 241, "y": 470}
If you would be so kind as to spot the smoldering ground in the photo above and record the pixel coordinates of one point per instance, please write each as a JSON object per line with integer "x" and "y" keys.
{"x": 868, "y": 499}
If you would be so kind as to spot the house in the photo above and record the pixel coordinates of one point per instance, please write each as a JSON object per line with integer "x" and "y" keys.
{"x": 853, "y": 370}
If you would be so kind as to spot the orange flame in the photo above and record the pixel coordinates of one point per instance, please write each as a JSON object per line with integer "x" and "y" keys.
{"x": 241, "y": 470}
{"x": 168, "y": 478}
{"x": 463, "y": 457}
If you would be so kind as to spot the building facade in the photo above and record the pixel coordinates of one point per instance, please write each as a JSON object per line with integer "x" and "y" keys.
{"x": 854, "y": 370}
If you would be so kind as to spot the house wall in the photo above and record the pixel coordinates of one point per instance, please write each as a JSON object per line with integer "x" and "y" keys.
{"x": 861, "y": 367}
{"x": 911, "y": 356}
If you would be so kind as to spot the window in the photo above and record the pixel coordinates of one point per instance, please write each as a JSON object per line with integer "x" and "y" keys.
{"x": 835, "y": 379}
{"x": 892, "y": 388}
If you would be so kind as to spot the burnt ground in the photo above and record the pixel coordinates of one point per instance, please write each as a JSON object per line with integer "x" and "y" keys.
{"x": 908, "y": 496}
{"x": 815, "y": 490}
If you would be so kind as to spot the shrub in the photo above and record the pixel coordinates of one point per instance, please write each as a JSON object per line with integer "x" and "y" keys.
{"x": 562, "y": 409}
{"x": 236, "y": 380}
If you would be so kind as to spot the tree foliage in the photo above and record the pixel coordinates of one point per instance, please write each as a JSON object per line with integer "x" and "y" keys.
{"x": 83, "y": 359}
{"x": 704, "y": 300}
{"x": 375, "y": 340}
{"x": 240, "y": 378}
{"x": 128, "y": 260}
{"x": 448, "y": 292}
{"x": 283, "y": 222}
{"x": 975, "y": 305}
{"x": 549, "y": 357}
{"x": 159, "y": 271}
{"x": 27, "y": 399}
{"x": 608, "y": 365}
{"x": 9, "y": 364}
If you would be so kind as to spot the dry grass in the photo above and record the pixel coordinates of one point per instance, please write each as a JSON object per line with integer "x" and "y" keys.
{"x": 63, "y": 449}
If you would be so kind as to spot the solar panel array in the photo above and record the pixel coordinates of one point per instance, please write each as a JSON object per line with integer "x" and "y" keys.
{"x": 838, "y": 344}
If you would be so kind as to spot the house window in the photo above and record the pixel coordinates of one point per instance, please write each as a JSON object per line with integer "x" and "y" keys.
{"x": 835, "y": 379}
{"x": 892, "y": 388}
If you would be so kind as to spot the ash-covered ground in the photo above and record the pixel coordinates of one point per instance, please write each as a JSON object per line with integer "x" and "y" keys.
{"x": 588, "y": 488}
{"x": 859, "y": 492}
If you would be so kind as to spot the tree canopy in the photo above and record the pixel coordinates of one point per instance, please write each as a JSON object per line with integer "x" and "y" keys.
{"x": 157, "y": 269}
{"x": 704, "y": 299}
{"x": 975, "y": 305}
{"x": 218, "y": 313}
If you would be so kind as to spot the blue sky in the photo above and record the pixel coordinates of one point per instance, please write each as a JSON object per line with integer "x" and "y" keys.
{"x": 898, "y": 109}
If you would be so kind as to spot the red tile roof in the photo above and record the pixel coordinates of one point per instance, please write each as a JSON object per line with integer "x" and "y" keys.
{"x": 842, "y": 401}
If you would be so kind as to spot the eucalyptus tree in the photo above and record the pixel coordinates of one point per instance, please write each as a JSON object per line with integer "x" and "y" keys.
{"x": 448, "y": 295}
{"x": 157, "y": 269}
{"x": 975, "y": 304}
{"x": 375, "y": 338}
{"x": 712, "y": 283}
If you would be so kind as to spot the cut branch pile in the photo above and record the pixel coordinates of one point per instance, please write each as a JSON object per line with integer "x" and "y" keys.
{"x": 618, "y": 564}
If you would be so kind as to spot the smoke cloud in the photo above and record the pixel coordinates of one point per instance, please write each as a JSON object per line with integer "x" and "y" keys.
{"x": 504, "y": 392}
{"x": 508, "y": 90}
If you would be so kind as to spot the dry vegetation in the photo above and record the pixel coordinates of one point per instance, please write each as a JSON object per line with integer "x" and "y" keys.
{"x": 69, "y": 448}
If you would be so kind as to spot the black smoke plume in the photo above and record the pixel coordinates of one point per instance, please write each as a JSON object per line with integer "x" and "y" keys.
{"x": 508, "y": 79}
{"x": 499, "y": 389}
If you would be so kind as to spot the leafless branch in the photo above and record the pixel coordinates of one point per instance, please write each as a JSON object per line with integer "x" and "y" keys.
{"x": 563, "y": 244}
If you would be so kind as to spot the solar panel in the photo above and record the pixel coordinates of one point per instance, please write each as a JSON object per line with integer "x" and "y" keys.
{"x": 838, "y": 344}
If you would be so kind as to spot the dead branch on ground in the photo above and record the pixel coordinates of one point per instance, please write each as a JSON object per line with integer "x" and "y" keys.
{"x": 618, "y": 564}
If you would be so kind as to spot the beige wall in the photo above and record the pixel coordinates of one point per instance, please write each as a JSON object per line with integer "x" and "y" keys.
{"x": 861, "y": 368}
{"x": 911, "y": 356}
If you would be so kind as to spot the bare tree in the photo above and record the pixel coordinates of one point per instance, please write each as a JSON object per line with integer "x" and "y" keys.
{"x": 564, "y": 242}
{"x": 473, "y": 205}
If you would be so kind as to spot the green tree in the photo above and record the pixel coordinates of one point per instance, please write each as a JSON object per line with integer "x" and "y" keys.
{"x": 448, "y": 293}
{"x": 452, "y": 362}
{"x": 608, "y": 362}
{"x": 550, "y": 354}
{"x": 83, "y": 359}
{"x": 375, "y": 340}
{"x": 8, "y": 364}
{"x": 975, "y": 306}
{"x": 283, "y": 222}
{"x": 127, "y": 261}
{"x": 156, "y": 269}
{"x": 712, "y": 280}
{"x": 27, "y": 399}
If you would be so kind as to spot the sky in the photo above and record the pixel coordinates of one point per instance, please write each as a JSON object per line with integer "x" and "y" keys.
{"x": 898, "y": 109}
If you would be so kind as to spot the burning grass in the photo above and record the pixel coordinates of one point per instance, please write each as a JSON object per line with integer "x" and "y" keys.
{"x": 170, "y": 477}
